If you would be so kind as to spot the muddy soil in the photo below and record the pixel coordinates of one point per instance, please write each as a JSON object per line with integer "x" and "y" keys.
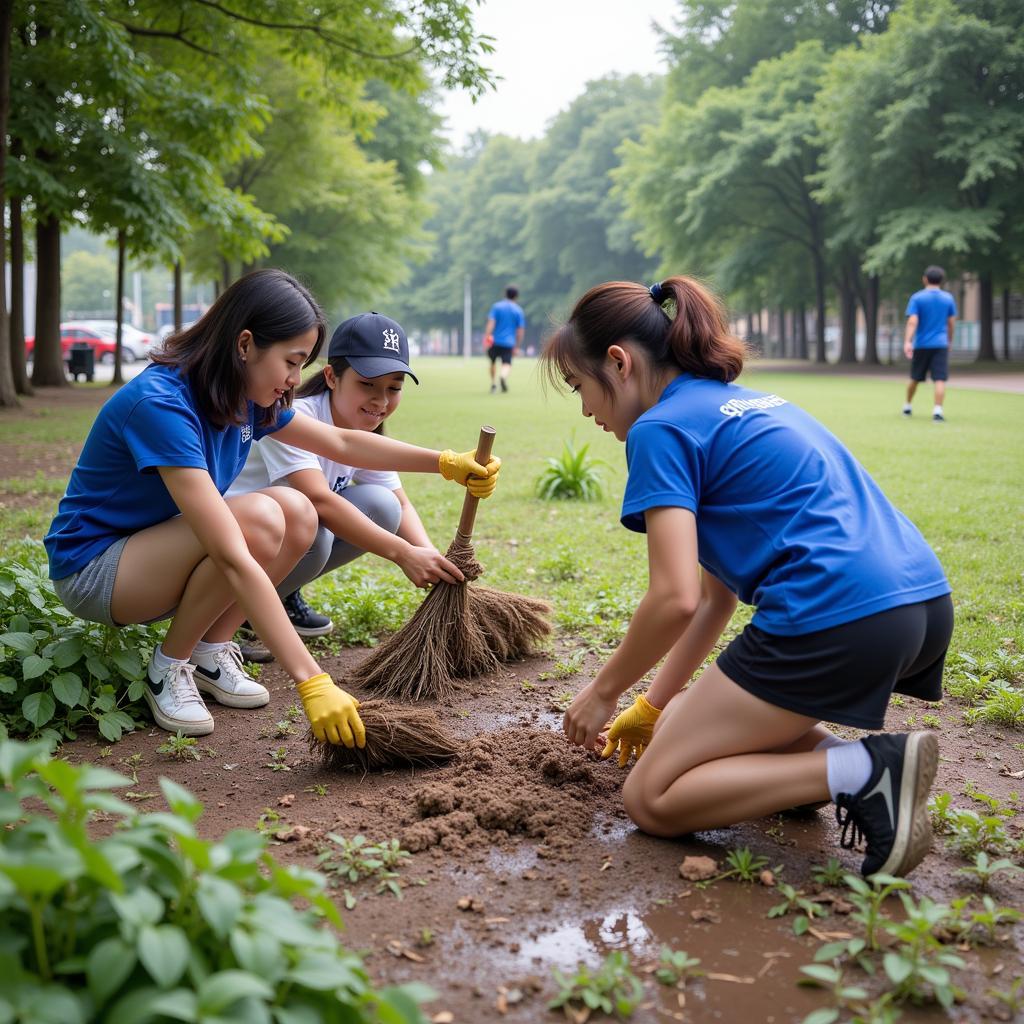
{"x": 523, "y": 859}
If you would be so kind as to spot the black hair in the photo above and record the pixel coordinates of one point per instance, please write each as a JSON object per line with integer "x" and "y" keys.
{"x": 934, "y": 274}
{"x": 695, "y": 338}
{"x": 511, "y": 291}
{"x": 273, "y": 307}
{"x": 317, "y": 384}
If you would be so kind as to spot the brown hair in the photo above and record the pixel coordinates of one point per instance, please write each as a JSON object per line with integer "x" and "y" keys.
{"x": 691, "y": 335}
{"x": 273, "y": 307}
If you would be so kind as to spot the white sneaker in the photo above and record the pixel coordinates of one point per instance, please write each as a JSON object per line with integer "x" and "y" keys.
{"x": 222, "y": 676}
{"x": 175, "y": 702}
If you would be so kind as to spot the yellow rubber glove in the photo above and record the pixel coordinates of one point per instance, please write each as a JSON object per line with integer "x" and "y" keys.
{"x": 631, "y": 731}
{"x": 464, "y": 469}
{"x": 332, "y": 713}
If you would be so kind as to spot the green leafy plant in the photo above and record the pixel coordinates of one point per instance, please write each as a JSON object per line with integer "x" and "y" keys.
{"x": 849, "y": 998}
{"x": 743, "y": 864}
{"x": 984, "y": 869}
{"x": 831, "y": 872}
{"x": 355, "y": 859}
{"x": 154, "y": 922}
{"x": 567, "y": 667}
{"x": 613, "y": 988}
{"x": 676, "y": 966}
{"x": 279, "y": 760}
{"x": 1012, "y": 998}
{"x": 58, "y": 672}
{"x": 984, "y": 924}
{"x": 573, "y": 475}
{"x": 180, "y": 747}
{"x": 867, "y": 898}
{"x": 795, "y": 900}
{"x": 969, "y": 833}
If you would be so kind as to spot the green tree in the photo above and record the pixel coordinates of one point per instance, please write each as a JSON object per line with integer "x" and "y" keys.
{"x": 87, "y": 283}
{"x": 925, "y": 145}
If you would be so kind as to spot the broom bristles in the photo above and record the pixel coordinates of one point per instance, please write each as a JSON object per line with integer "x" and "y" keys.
{"x": 457, "y": 632}
{"x": 396, "y": 737}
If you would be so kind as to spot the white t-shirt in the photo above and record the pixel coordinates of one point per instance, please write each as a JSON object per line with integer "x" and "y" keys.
{"x": 270, "y": 461}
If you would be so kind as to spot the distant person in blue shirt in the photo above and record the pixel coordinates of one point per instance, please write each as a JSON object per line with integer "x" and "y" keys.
{"x": 931, "y": 314}
{"x": 506, "y": 325}
{"x": 743, "y": 496}
{"x": 144, "y": 532}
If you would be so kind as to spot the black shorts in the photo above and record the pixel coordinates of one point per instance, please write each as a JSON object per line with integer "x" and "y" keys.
{"x": 846, "y": 674}
{"x": 930, "y": 360}
{"x": 502, "y": 352}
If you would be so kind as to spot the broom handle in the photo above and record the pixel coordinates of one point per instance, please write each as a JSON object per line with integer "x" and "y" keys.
{"x": 469, "y": 503}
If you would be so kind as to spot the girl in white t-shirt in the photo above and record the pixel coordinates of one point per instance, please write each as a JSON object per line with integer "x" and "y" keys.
{"x": 360, "y": 510}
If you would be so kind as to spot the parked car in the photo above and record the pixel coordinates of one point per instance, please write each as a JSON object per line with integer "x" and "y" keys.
{"x": 139, "y": 343}
{"x": 100, "y": 340}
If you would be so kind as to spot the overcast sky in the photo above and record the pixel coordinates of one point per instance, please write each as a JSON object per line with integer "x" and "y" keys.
{"x": 545, "y": 53}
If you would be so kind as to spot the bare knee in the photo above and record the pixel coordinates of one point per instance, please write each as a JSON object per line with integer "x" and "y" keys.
{"x": 263, "y": 524}
{"x": 642, "y": 807}
{"x": 301, "y": 519}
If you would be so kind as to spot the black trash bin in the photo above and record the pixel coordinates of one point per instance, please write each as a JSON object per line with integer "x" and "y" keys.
{"x": 81, "y": 359}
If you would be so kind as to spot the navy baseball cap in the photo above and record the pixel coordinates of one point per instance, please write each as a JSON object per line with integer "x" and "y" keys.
{"x": 373, "y": 344}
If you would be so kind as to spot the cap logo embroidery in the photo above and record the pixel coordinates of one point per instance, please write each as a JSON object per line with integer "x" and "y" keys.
{"x": 391, "y": 340}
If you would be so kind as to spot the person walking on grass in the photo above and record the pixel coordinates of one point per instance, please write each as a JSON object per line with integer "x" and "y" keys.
{"x": 506, "y": 325}
{"x": 359, "y": 510}
{"x": 144, "y": 533}
{"x": 743, "y": 496}
{"x": 931, "y": 314}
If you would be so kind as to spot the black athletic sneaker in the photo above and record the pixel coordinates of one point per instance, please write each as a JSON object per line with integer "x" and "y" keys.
{"x": 306, "y": 621}
{"x": 504, "y": 385}
{"x": 890, "y": 813}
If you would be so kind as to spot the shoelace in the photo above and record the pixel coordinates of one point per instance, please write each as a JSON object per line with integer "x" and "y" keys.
{"x": 848, "y": 821}
{"x": 235, "y": 653}
{"x": 183, "y": 684}
{"x": 298, "y": 603}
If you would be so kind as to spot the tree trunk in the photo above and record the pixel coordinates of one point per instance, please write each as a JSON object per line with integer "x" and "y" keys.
{"x": 869, "y": 303}
{"x": 48, "y": 360}
{"x": 8, "y": 393}
{"x": 118, "y": 379}
{"x": 800, "y": 330}
{"x": 819, "y": 302}
{"x": 21, "y": 382}
{"x": 177, "y": 295}
{"x": 986, "y": 346}
{"x": 847, "y": 320}
{"x": 782, "y": 332}
{"x": 1006, "y": 324}
{"x": 750, "y": 326}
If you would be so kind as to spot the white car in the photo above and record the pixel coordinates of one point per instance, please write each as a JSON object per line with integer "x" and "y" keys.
{"x": 135, "y": 344}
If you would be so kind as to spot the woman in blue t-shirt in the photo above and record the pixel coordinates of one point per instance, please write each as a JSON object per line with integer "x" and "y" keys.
{"x": 144, "y": 533}
{"x": 744, "y": 496}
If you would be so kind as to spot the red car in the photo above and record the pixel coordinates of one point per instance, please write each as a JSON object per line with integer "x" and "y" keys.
{"x": 100, "y": 342}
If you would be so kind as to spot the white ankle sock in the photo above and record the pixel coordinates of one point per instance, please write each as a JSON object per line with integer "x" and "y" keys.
{"x": 161, "y": 662}
{"x": 849, "y": 768}
{"x": 937, "y": 411}
{"x": 203, "y": 652}
{"x": 907, "y": 407}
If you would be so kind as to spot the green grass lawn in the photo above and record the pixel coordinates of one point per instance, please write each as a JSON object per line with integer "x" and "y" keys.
{"x": 960, "y": 482}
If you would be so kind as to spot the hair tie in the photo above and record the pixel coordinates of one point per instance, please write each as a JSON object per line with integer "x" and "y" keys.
{"x": 657, "y": 293}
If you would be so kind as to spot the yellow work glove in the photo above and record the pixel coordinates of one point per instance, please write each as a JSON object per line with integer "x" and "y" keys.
{"x": 631, "y": 731}
{"x": 463, "y": 468}
{"x": 332, "y": 713}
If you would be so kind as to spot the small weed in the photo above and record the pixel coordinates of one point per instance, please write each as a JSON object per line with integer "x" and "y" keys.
{"x": 831, "y": 872}
{"x": 743, "y": 865}
{"x": 181, "y": 748}
{"x": 573, "y": 475}
{"x": 565, "y": 669}
{"x": 1001, "y": 703}
{"x": 526, "y": 686}
{"x": 562, "y": 567}
{"x": 278, "y": 762}
{"x": 1012, "y": 999}
{"x": 853, "y": 999}
{"x": 283, "y": 728}
{"x": 106, "y": 751}
{"x": 983, "y": 870}
{"x": 931, "y": 721}
{"x": 294, "y": 713}
{"x": 561, "y": 701}
{"x": 896, "y": 701}
{"x": 132, "y": 763}
{"x": 269, "y": 821}
{"x": 425, "y": 938}
{"x": 613, "y": 988}
{"x": 319, "y": 789}
{"x": 985, "y": 923}
{"x": 355, "y": 859}
{"x": 969, "y": 833}
{"x": 675, "y": 967}
{"x": 868, "y": 898}
{"x": 910, "y": 721}
{"x": 795, "y": 900}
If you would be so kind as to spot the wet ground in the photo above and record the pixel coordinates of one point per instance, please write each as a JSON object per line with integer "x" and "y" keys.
{"x": 524, "y": 860}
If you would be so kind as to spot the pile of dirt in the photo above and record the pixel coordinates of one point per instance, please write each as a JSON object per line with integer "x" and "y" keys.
{"x": 520, "y": 781}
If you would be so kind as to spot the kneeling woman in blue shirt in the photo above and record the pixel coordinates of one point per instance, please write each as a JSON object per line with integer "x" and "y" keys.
{"x": 144, "y": 533}
{"x": 743, "y": 495}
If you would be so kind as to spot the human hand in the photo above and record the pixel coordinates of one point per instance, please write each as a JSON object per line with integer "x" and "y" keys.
{"x": 332, "y": 713}
{"x": 587, "y": 716}
{"x": 631, "y": 731}
{"x": 908, "y": 350}
{"x": 427, "y": 565}
{"x": 463, "y": 468}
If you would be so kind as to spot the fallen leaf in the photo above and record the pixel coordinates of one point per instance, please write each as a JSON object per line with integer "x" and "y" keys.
{"x": 828, "y": 936}
{"x": 395, "y": 948}
{"x": 734, "y": 978}
{"x": 286, "y": 801}
{"x": 697, "y": 869}
{"x": 703, "y": 914}
{"x": 293, "y": 834}
{"x": 497, "y": 920}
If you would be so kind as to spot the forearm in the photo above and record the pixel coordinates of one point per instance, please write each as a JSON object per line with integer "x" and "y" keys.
{"x": 656, "y": 626}
{"x": 908, "y": 333}
{"x": 257, "y": 597}
{"x": 411, "y": 527}
{"x": 689, "y": 652}
{"x": 373, "y": 451}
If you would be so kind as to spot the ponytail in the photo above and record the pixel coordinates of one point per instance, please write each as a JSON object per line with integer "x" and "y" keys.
{"x": 678, "y": 323}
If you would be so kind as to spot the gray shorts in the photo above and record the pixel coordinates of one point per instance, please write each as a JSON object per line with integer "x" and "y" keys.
{"x": 88, "y": 592}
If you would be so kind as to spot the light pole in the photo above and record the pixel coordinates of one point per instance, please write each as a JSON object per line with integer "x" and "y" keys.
{"x": 467, "y": 317}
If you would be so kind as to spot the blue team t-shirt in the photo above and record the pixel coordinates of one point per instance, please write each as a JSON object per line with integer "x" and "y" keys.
{"x": 933, "y": 307}
{"x": 508, "y": 317}
{"x": 786, "y": 517}
{"x": 115, "y": 490}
